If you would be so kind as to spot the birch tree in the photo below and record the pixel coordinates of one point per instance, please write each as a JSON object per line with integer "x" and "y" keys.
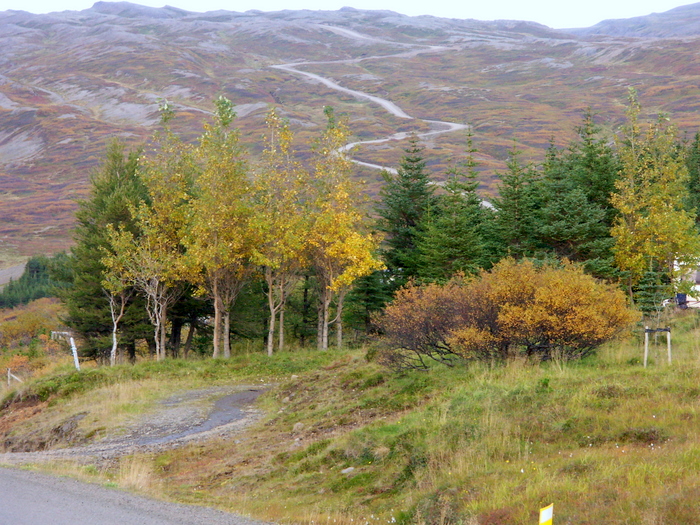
{"x": 218, "y": 238}
{"x": 653, "y": 232}
{"x": 152, "y": 261}
{"x": 340, "y": 248}
{"x": 281, "y": 222}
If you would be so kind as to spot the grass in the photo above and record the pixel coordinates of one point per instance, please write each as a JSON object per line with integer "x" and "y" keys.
{"x": 346, "y": 441}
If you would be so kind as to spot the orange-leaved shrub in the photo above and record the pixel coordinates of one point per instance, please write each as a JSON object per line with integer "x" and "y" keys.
{"x": 516, "y": 308}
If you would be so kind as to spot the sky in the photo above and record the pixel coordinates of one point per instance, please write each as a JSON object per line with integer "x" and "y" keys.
{"x": 557, "y": 14}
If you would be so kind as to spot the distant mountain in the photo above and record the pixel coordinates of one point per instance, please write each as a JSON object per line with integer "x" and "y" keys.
{"x": 682, "y": 21}
{"x": 72, "y": 81}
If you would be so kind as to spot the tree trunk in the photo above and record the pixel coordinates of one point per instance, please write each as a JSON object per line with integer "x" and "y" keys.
{"x": 131, "y": 351}
{"x": 217, "y": 319}
{"x": 162, "y": 335}
{"x": 116, "y": 318}
{"x": 227, "y": 334}
{"x": 305, "y": 306}
{"x": 175, "y": 336}
{"x": 324, "y": 322}
{"x": 281, "y": 329}
{"x": 273, "y": 312}
{"x": 339, "y": 320}
{"x": 190, "y": 337}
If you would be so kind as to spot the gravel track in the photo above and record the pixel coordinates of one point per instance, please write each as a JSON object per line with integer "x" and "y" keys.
{"x": 30, "y": 498}
{"x": 186, "y": 417}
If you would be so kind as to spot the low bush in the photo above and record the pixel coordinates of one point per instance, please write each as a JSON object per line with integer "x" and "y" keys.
{"x": 547, "y": 312}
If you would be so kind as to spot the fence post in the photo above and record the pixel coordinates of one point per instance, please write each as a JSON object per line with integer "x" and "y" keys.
{"x": 646, "y": 345}
{"x": 668, "y": 343}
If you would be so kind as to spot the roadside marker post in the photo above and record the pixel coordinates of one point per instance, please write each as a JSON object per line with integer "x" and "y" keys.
{"x": 74, "y": 349}
{"x": 547, "y": 515}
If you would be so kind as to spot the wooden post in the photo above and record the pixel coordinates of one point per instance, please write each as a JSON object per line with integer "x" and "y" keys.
{"x": 668, "y": 343}
{"x": 646, "y": 345}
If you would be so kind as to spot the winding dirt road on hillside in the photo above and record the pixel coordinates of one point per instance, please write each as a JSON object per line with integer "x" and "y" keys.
{"x": 437, "y": 126}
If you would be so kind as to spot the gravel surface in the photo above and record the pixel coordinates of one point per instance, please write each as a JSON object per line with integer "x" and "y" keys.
{"x": 185, "y": 417}
{"x": 30, "y": 498}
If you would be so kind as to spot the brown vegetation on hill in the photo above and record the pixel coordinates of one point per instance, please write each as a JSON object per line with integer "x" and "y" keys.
{"x": 73, "y": 80}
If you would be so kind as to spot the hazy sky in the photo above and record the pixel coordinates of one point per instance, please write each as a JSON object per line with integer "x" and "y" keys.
{"x": 554, "y": 13}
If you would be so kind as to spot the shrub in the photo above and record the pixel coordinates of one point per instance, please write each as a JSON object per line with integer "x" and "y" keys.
{"x": 516, "y": 308}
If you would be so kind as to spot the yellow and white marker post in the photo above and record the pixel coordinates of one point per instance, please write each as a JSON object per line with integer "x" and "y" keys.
{"x": 547, "y": 515}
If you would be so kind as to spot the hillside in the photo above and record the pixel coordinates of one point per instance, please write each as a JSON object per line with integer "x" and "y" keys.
{"x": 682, "y": 21}
{"x": 72, "y": 81}
{"x": 343, "y": 440}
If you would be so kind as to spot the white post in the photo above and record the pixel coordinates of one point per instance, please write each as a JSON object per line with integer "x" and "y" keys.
{"x": 646, "y": 345}
{"x": 668, "y": 343}
{"x": 74, "y": 349}
{"x": 75, "y": 354}
{"x": 8, "y": 377}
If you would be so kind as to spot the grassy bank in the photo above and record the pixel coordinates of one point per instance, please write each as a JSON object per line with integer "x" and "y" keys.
{"x": 346, "y": 441}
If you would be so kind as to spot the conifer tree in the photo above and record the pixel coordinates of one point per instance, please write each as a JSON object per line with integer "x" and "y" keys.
{"x": 576, "y": 216}
{"x": 116, "y": 189}
{"x": 451, "y": 237}
{"x": 405, "y": 198}
{"x": 516, "y": 210}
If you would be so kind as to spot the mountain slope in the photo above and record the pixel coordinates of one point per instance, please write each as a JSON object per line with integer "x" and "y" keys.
{"x": 682, "y": 21}
{"x": 72, "y": 81}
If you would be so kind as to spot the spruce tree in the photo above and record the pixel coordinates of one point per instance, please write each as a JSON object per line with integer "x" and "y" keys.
{"x": 405, "y": 199}
{"x": 576, "y": 216}
{"x": 515, "y": 224}
{"x": 116, "y": 188}
{"x": 451, "y": 238}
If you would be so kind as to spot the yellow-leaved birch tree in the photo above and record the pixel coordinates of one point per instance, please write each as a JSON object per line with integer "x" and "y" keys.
{"x": 340, "y": 247}
{"x": 281, "y": 222}
{"x": 653, "y": 232}
{"x": 153, "y": 261}
{"x": 219, "y": 237}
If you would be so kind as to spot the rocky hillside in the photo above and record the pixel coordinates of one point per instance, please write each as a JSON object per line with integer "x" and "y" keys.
{"x": 72, "y": 81}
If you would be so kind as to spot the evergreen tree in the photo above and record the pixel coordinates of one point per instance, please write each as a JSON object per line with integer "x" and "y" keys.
{"x": 576, "y": 215}
{"x": 451, "y": 237}
{"x": 35, "y": 282}
{"x": 405, "y": 199}
{"x": 517, "y": 207}
{"x": 116, "y": 188}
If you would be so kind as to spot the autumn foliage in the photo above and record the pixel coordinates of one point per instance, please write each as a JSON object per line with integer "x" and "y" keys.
{"x": 546, "y": 312}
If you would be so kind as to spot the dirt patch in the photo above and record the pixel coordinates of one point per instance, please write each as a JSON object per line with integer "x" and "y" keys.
{"x": 65, "y": 433}
{"x": 19, "y": 412}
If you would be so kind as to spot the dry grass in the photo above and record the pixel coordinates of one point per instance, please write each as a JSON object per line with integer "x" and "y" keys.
{"x": 137, "y": 473}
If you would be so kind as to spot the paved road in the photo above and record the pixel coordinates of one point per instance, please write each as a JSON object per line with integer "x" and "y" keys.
{"x": 30, "y": 498}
